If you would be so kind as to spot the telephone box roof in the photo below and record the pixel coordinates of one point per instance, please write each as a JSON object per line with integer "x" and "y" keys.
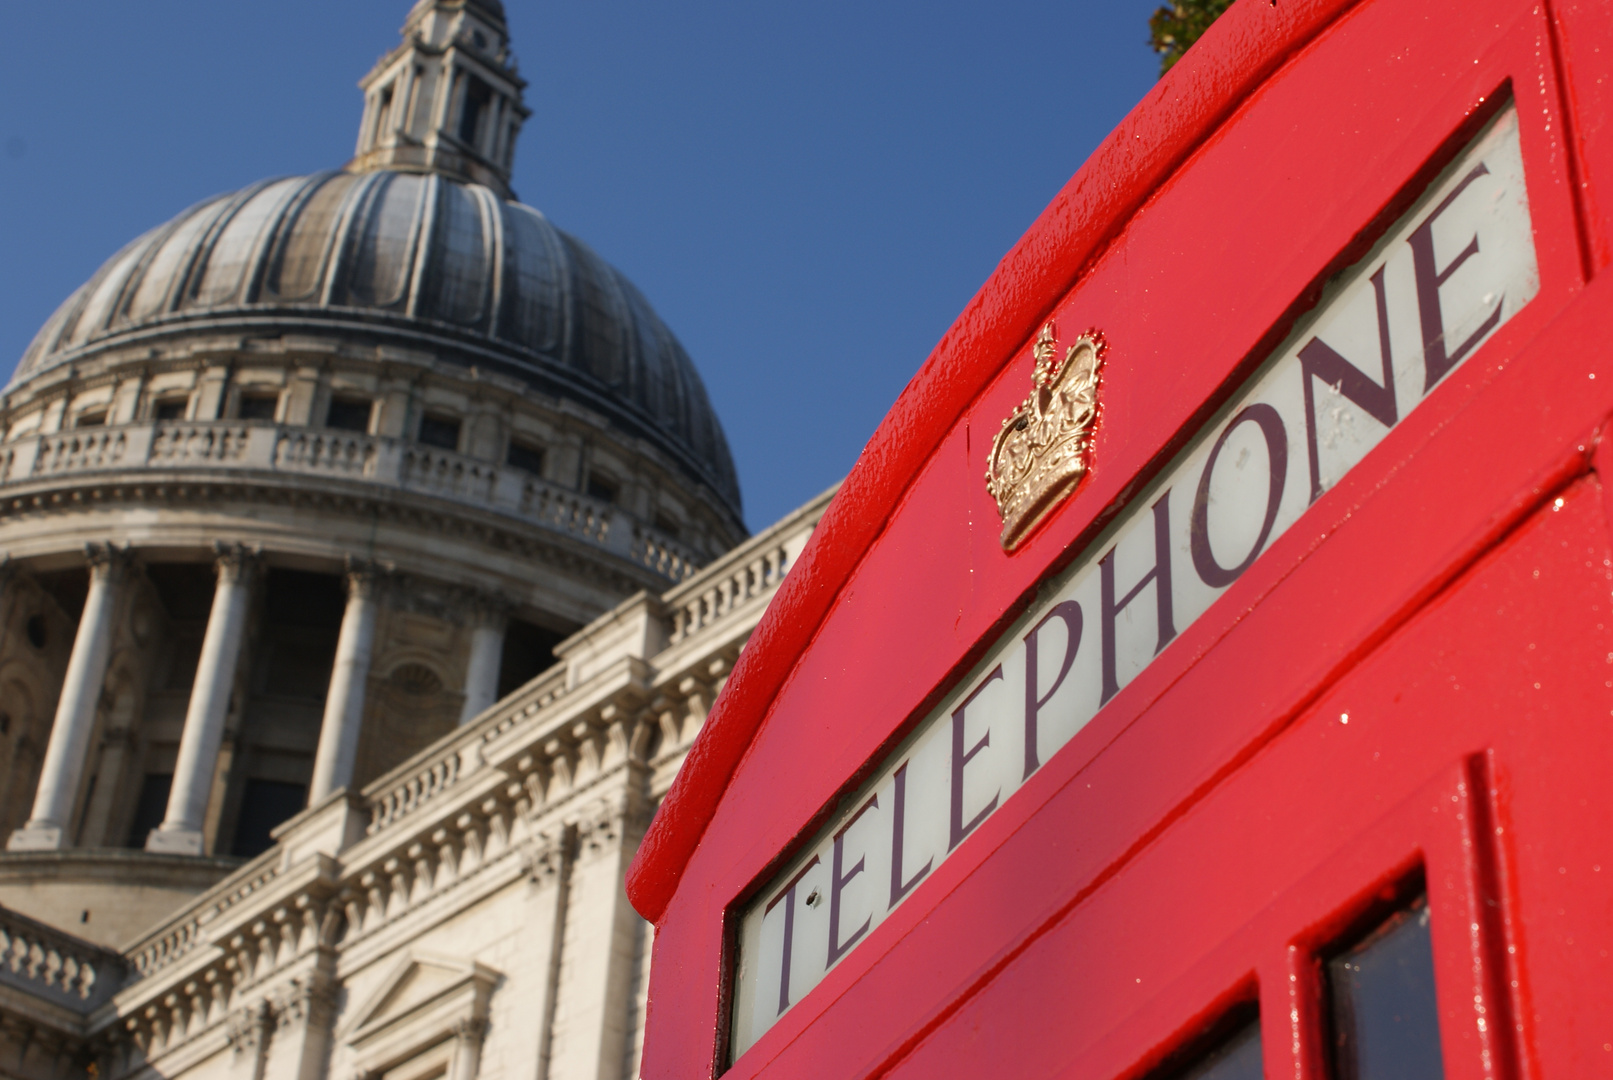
{"x": 1197, "y": 96}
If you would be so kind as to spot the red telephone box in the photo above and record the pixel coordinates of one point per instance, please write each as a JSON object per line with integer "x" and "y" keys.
{"x": 1257, "y": 715}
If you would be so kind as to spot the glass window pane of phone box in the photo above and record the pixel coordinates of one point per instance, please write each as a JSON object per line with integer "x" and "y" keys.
{"x": 1385, "y": 1017}
{"x": 1234, "y": 1056}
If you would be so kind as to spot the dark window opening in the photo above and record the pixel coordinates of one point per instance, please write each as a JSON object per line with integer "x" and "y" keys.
{"x": 528, "y": 653}
{"x": 602, "y": 488}
{"x": 348, "y": 414}
{"x": 172, "y": 409}
{"x": 303, "y": 598}
{"x": 302, "y": 617}
{"x": 185, "y": 656}
{"x": 478, "y": 95}
{"x": 69, "y": 588}
{"x": 90, "y": 419}
{"x": 263, "y": 406}
{"x": 150, "y": 808}
{"x": 264, "y": 805}
{"x": 37, "y": 631}
{"x": 1384, "y": 1012}
{"x": 666, "y": 523}
{"x": 383, "y": 114}
{"x": 440, "y": 431}
{"x": 185, "y": 589}
{"x": 525, "y": 457}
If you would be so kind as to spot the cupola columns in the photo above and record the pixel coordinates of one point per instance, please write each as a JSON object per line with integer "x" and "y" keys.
{"x": 344, "y": 702}
{"x": 482, "y": 670}
{"x": 181, "y": 832}
{"x": 74, "y": 725}
{"x": 447, "y": 100}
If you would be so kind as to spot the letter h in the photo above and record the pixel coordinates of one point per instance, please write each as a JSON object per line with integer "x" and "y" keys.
{"x": 1160, "y": 575}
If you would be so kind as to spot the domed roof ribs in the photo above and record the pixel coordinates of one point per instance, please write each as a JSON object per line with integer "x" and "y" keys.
{"x": 493, "y": 246}
{"x": 49, "y": 337}
{"x": 413, "y": 243}
{"x": 627, "y": 338}
{"x": 567, "y": 306}
{"x": 194, "y": 267}
{"x": 420, "y": 243}
{"x": 80, "y": 300}
{"x": 271, "y": 239}
{"x": 337, "y": 252}
{"x": 130, "y": 286}
{"x": 677, "y": 386}
{"x": 112, "y": 275}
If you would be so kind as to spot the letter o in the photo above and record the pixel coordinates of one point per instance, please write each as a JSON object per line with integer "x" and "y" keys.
{"x": 1271, "y": 425}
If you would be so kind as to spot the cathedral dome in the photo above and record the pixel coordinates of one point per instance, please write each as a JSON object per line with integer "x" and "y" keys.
{"x": 419, "y": 257}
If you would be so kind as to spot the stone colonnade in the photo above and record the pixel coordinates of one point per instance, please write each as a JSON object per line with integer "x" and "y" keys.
{"x": 181, "y": 832}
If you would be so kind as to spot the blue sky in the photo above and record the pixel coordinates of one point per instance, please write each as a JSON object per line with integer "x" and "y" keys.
{"x": 807, "y": 193}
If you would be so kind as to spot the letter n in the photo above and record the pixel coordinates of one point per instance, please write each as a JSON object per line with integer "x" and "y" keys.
{"x": 1318, "y": 360}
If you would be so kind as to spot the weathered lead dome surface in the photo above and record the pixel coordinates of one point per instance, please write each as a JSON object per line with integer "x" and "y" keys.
{"x": 446, "y": 264}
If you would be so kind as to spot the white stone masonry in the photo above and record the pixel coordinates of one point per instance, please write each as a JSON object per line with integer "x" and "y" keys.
{"x": 486, "y": 653}
{"x": 344, "y": 702}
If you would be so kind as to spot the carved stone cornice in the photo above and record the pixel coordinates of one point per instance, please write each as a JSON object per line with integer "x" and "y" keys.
{"x": 423, "y": 513}
{"x": 548, "y": 855}
{"x": 479, "y": 607}
{"x": 108, "y": 562}
{"x": 249, "y": 1027}
{"x": 366, "y": 578}
{"x": 236, "y": 562}
{"x": 309, "y": 997}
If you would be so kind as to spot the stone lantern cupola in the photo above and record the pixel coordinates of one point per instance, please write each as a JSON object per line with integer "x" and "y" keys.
{"x": 448, "y": 99}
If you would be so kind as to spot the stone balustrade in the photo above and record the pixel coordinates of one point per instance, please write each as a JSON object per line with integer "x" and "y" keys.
{"x": 749, "y": 571}
{"x": 60, "y": 968}
{"x": 386, "y": 463}
{"x": 178, "y": 936}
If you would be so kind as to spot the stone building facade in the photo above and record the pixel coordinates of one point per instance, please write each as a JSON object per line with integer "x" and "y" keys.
{"x": 460, "y": 916}
{"x": 371, "y": 554}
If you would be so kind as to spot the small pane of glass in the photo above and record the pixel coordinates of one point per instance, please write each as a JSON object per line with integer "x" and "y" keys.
{"x": 262, "y": 407}
{"x": 172, "y": 409}
{"x": 526, "y": 458}
{"x": 440, "y": 431}
{"x": 348, "y": 414}
{"x": 1235, "y": 1057}
{"x": 1385, "y": 1016}
{"x": 601, "y": 488}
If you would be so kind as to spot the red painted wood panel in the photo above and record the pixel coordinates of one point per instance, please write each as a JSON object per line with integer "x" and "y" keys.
{"x": 1215, "y": 821}
{"x": 1509, "y": 664}
{"x": 1584, "y": 30}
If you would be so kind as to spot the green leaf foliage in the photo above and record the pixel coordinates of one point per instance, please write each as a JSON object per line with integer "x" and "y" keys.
{"x": 1177, "y": 25}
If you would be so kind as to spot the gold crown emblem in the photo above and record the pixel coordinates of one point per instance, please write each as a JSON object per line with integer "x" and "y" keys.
{"x": 1043, "y": 449}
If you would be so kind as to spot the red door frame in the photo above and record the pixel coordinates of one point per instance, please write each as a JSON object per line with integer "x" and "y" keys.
{"x": 1367, "y": 97}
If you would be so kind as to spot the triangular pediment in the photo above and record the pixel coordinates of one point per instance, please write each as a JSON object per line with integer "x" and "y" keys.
{"x": 419, "y": 985}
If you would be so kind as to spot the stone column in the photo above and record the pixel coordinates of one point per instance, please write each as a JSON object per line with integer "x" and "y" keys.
{"x": 595, "y": 1008}
{"x": 182, "y": 827}
{"x": 344, "y": 702}
{"x": 74, "y": 724}
{"x": 488, "y": 621}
